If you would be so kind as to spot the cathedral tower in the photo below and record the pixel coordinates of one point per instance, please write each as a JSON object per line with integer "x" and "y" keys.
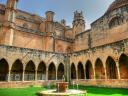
{"x": 78, "y": 23}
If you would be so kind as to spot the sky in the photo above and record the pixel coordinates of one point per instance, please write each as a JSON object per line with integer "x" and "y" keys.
{"x": 64, "y": 9}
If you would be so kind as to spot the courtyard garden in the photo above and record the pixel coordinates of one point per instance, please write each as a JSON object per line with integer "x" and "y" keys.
{"x": 91, "y": 91}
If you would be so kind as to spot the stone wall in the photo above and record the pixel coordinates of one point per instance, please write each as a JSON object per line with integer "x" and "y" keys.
{"x": 103, "y": 83}
{"x": 20, "y": 84}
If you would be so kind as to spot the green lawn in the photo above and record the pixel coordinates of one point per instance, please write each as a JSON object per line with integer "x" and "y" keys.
{"x": 92, "y": 91}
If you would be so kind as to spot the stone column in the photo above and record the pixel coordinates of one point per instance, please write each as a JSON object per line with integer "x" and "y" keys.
{"x": 105, "y": 73}
{"x": 36, "y": 75}
{"x": 77, "y": 73}
{"x": 118, "y": 70}
{"x": 46, "y": 74}
{"x": 23, "y": 75}
{"x": 56, "y": 74}
{"x": 94, "y": 73}
{"x": 9, "y": 75}
{"x": 84, "y": 73}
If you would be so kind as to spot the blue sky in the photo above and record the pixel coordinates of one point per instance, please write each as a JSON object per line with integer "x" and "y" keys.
{"x": 92, "y": 9}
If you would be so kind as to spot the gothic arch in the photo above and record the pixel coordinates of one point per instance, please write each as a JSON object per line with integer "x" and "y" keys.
{"x": 111, "y": 68}
{"x": 60, "y": 71}
{"x": 73, "y": 71}
{"x": 80, "y": 71}
{"x": 123, "y": 66}
{"x": 4, "y": 69}
{"x": 99, "y": 69}
{"x": 41, "y": 71}
{"x": 30, "y": 71}
{"x": 17, "y": 71}
{"x": 89, "y": 72}
{"x": 117, "y": 20}
{"x": 52, "y": 71}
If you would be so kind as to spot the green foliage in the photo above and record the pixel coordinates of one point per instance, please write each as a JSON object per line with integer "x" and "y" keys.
{"x": 91, "y": 91}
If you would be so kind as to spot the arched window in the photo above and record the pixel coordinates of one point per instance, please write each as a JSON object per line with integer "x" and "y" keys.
{"x": 4, "y": 69}
{"x": 30, "y": 71}
{"x": 17, "y": 71}
{"x": 41, "y": 72}
{"x": 123, "y": 66}
{"x": 60, "y": 71}
{"x": 52, "y": 71}
{"x": 80, "y": 71}
{"x": 99, "y": 69}
{"x": 111, "y": 68}
{"x": 115, "y": 22}
{"x": 89, "y": 72}
{"x": 73, "y": 71}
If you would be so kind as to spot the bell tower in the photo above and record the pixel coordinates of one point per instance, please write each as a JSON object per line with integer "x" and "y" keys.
{"x": 9, "y": 21}
{"x": 78, "y": 23}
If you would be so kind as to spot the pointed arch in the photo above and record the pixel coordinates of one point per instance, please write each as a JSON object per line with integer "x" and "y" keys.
{"x": 73, "y": 71}
{"x": 17, "y": 71}
{"x": 52, "y": 72}
{"x": 41, "y": 71}
{"x": 30, "y": 71}
{"x": 115, "y": 21}
{"x": 111, "y": 68}
{"x": 4, "y": 69}
{"x": 123, "y": 66}
{"x": 60, "y": 71}
{"x": 99, "y": 69}
{"x": 80, "y": 71}
{"x": 89, "y": 72}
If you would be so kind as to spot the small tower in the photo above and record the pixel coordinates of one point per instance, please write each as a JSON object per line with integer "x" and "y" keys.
{"x": 10, "y": 12}
{"x": 78, "y": 23}
{"x": 49, "y": 22}
{"x": 9, "y": 21}
{"x": 49, "y": 15}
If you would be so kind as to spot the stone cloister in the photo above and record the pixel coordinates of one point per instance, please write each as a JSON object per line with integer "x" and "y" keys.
{"x": 110, "y": 70}
{"x": 33, "y": 68}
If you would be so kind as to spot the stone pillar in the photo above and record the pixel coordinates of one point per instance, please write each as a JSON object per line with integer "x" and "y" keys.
{"x": 46, "y": 74}
{"x": 36, "y": 75}
{"x": 94, "y": 73}
{"x": 23, "y": 75}
{"x": 9, "y": 75}
{"x": 56, "y": 74}
{"x": 67, "y": 69}
{"x": 77, "y": 73}
{"x": 118, "y": 70}
{"x": 84, "y": 73}
{"x": 105, "y": 73}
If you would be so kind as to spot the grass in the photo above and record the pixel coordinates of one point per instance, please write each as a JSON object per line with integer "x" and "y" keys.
{"x": 101, "y": 91}
{"x": 92, "y": 91}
